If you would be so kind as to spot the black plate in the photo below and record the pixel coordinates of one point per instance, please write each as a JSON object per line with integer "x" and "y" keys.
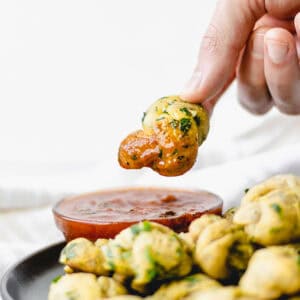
{"x": 31, "y": 277}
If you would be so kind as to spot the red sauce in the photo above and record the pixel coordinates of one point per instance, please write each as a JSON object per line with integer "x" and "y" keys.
{"x": 104, "y": 214}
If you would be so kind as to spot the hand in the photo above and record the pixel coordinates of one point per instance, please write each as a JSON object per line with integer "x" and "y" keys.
{"x": 256, "y": 42}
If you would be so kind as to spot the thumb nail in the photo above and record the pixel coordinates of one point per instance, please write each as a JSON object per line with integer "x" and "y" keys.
{"x": 191, "y": 89}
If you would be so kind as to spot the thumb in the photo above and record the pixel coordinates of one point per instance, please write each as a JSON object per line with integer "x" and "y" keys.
{"x": 227, "y": 34}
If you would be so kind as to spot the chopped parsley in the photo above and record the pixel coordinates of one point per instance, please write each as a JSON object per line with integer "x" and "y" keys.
{"x": 137, "y": 228}
{"x": 160, "y": 153}
{"x": 192, "y": 279}
{"x": 277, "y": 208}
{"x": 179, "y": 251}
{"x": 126, "y": 255}
{"x": 149, "y": 256}
{"x": 144, "y": 116}
{"x": 151, "y": 272}
{"x": 134, "y": 157}
{"x": 174, "y": 123}
{"x": 275, "y": 230}
{"x": 146, "y": 226}
{"x": 72, "y": 295}
{"x": 112, "y": 265}
{"x": 160, "y": 118}
{"x": 185, "y": 125}
{"x": 175, "y": 151}
{"x": 246, "y": 190}
{"x": 197, "y": 120}
{"x": 186, "y": 111}
{"x": 56, "y": 279}
{"x": 162, "y": 98}
{"x": 171, "y": 102}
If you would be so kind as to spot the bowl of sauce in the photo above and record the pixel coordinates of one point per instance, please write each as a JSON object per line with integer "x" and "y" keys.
{"x": 103, "y": 214}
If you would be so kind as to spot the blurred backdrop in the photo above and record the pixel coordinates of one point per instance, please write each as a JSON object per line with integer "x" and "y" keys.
{"x": 75, "y": 76}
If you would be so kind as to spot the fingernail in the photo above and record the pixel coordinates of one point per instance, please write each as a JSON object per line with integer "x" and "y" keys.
{"x": 258, "y": 46}
{"x": 277, "y": 51}
{"x": 192, "y": 85}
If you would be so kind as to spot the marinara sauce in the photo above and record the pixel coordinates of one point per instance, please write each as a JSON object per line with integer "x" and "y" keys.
{"x": 104, "y": 214}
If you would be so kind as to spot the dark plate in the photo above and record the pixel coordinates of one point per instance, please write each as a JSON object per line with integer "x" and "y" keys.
{"x": 30, "y": 278}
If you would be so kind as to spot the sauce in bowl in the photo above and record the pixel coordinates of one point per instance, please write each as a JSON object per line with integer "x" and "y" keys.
{"x": 104, "y": 214}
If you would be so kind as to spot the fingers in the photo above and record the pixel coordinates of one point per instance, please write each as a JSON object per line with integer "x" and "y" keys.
{"x": 282, "y": 9}
{"x": 253, "y": 92}
{"x": 227, "y": 35}
{"x": 282, "y": 70}
{"x": 219, "y": 52}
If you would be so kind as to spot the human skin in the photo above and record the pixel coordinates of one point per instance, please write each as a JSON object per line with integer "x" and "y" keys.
{"x": 258, "y": 43}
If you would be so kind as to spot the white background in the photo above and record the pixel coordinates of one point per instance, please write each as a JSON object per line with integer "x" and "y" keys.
{"x": 75, "y": 76}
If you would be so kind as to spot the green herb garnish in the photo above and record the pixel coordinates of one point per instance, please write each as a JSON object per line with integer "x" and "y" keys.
{"x": 146, "y": 226}
{"x": 126, "y": 254}
{"x": 149, "y": 256}
{"x": 112, "y": 265}
{"x": 174, "y": 123}
{"x": 192, "y": 279}
{"x": 277, "y": 208}
{"x": 197, "y": 120}
{"x": 162, "y": 98}
{"x": 175, "y": 151}
{"x": 275, "y": 230}
{"x": 185, "y": 124}
{"x": 151, "y": 274}
{"x": 160, "y": 118}
{"x": 72, "y": 295}
{"x": 160, "y": 153}
{"x": 137, "y": 228}
{"x": 186, "y": 111}
{"x": 56, "y": 279}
